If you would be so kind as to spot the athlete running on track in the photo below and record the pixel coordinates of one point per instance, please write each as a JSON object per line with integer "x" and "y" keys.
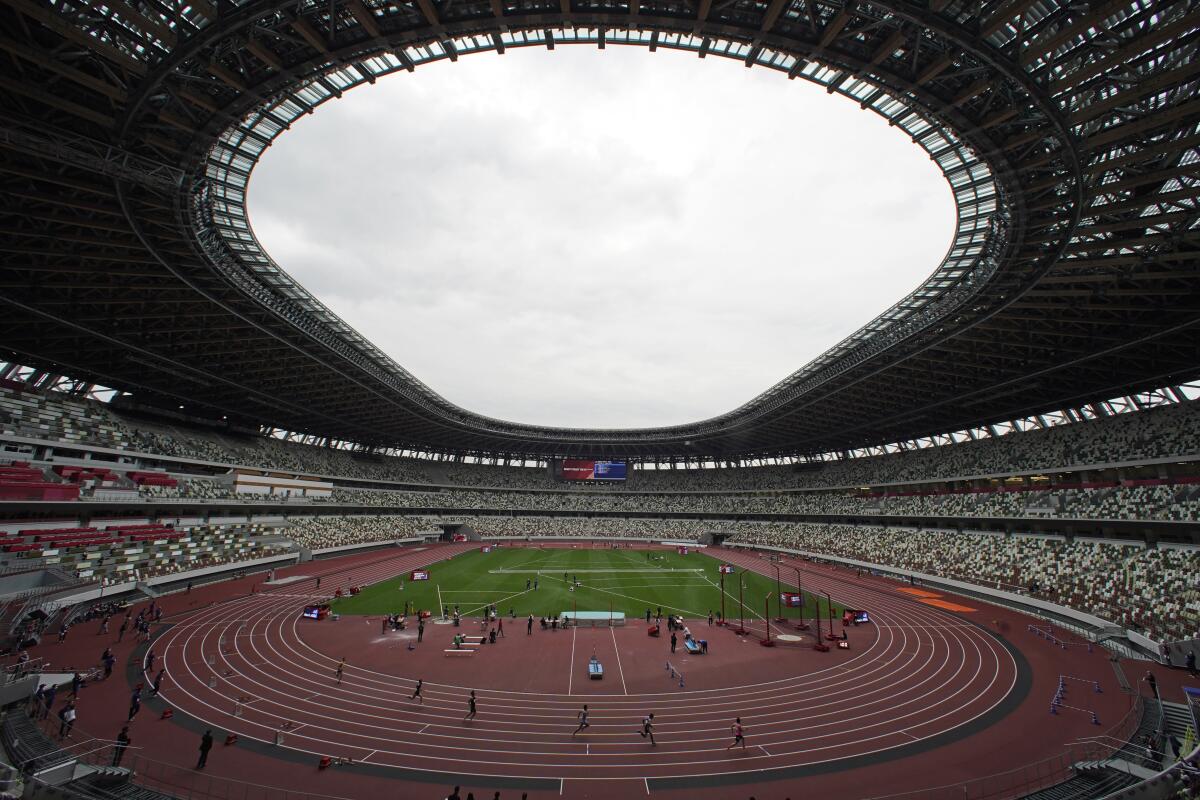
{"x": 583, "y": 720}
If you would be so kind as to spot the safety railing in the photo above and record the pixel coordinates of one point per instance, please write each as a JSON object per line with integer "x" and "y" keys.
{"x": 1042, "y": 774}
{"x": 187, "y": 783}
{"x": 183, "y": 782}
{"x": 20, "y": 670}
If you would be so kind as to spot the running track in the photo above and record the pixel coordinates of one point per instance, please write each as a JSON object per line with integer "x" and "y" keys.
{"x": 926, "y": 674}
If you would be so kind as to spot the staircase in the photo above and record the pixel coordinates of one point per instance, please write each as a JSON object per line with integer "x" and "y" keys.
{"x": 1177, "y": 719}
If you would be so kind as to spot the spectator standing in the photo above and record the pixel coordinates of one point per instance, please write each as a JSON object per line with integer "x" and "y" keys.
{"x": 135, "y": 702}
{"x": 67, "y": 716}
{"x": 205, "y": 745}
{"x": 119, "y": 747}
{"x": 49, "y": 700}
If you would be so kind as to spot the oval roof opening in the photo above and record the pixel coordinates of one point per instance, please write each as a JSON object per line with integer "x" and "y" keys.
{"x": 605, "y": 239}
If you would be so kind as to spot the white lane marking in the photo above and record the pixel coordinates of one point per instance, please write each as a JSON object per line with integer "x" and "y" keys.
{"x": 620, "y": 671}
{"x": 278, "y": 617}
{"x": 571, "y": 665}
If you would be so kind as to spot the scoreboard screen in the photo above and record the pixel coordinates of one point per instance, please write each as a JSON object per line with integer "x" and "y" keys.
{"x": 576, "y": 469}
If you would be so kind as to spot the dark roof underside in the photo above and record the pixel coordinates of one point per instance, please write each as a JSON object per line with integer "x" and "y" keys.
{"x": 120, "y": 262}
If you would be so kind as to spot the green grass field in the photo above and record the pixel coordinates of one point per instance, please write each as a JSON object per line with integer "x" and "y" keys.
{"x": 628, "y": 581}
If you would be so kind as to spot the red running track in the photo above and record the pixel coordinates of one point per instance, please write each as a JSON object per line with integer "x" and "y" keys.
{"x": 920, "y": 674}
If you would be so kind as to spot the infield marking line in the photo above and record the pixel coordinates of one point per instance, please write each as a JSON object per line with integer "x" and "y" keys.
{"x": 494, "y": 602}
{"x": 544, "y": 570}
{"x": 753, "y": 613}
{"x": 651, "y": 603}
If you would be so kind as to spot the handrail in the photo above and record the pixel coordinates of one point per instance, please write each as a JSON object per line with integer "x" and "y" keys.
{"x": 185, "y": 783}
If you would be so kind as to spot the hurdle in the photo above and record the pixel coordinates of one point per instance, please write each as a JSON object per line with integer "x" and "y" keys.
{"x": 1059, "y": 640}
{"x": 674, "y": 673}
{"x": 1062, "y": 683}
{"x": 1060, "y": 692}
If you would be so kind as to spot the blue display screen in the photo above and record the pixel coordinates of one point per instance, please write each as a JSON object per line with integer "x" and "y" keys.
{"x": 610, "y": 470}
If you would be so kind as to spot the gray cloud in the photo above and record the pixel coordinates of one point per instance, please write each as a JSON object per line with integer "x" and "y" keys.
{"x": 600, "y": 238}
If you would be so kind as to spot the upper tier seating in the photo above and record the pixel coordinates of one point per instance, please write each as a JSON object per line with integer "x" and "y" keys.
{"x": 1160, "y": 501}
{"x": 1166, "y": 432}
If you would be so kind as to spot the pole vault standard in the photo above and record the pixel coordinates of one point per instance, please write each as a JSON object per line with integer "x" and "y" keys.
{"x": 767, "y": 619}
{"x": 779, "y": 596}
{"x": 722, "y": 620}
{"x": 741, "y": 631}
{"x": 820, "y": 645}
{"x": 829, "y": 604}
{"x": 803, "y": 626}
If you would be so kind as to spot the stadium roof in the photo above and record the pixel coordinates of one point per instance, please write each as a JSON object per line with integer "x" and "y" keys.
{"x": 1068, "y": 133}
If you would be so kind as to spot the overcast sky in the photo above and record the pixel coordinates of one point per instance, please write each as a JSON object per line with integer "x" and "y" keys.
{"x": 594, "y": 238}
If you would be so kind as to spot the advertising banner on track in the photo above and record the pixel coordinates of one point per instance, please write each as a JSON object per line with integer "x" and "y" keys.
{"x": 487, "y": 548}
{"x": 683, "y": 551}
{"x": 791, "y": 600}
{"x": 725, "y": 569}
{"x": 419, "y": 575}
